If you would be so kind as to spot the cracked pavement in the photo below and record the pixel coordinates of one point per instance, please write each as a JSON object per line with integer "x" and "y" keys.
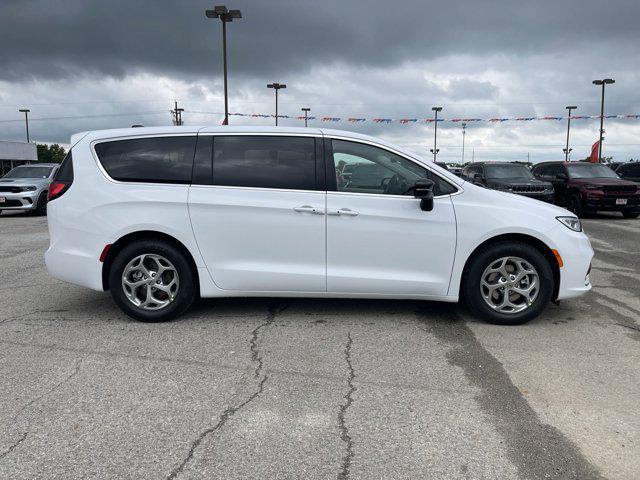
{"x": 314, "y": 388}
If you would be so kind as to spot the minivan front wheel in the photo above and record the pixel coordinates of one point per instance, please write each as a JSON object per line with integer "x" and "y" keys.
{"x": 508, "y": 283}
{"x": 152, "y": 281}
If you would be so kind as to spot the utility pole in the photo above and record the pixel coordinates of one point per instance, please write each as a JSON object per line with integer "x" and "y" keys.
{"x": 276, "y": 87}
{"x": 177, "y": 114}
{"x": 26, "y": 120}
{"x": 435, "y": 150}
{"x": 464, "y": 128}
{"x": 225, "y": 15}
{"x": 603, "y": 82}
{"x": 306, "y": 110}
{"x": 567, "y": 149}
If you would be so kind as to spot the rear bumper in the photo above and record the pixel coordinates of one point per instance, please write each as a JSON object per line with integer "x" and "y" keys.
{"x": 74, "y": 267}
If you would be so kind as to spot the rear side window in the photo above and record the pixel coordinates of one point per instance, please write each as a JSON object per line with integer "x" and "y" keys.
{"x": 156, "y": 160}
{"x": 262, "y": 161}
{"x": 65, "y": 172}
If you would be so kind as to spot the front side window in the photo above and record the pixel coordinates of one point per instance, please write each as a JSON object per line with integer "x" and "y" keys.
{"x": 156, "y": 159}
{"x": 264, "y": 162}
{"x": 364, "y": 168}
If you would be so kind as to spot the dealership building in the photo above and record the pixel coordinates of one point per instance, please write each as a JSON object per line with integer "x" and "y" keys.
{"x": 13, "y": 154}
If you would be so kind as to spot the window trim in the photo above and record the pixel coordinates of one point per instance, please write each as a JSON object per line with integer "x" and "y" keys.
{"x": 137, "y": 137}
{"x": 331, "y": 169}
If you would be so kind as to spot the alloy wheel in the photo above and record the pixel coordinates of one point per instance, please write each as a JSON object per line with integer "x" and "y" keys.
{"x": 150, "y": 281}
{"x": 510, "y": 285}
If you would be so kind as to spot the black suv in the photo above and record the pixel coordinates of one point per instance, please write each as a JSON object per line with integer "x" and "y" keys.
{"x": 508, "y": 177}
{"x": 629, "y": 171}
{"x": 590, "y": 187}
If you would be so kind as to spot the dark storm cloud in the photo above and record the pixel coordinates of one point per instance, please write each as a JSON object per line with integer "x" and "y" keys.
{"x": 58, "y": 39}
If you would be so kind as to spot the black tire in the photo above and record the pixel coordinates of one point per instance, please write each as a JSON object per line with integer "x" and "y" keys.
{"x": 184, "y": 296}
{"x": 41, "y": 204}
{"x": 630, "y": 214}
{"x": 471, "y": 292}
{"x": 574, "y": 204}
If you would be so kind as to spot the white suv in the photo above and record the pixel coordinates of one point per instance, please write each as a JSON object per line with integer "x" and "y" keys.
{"x": 159, "y": 216}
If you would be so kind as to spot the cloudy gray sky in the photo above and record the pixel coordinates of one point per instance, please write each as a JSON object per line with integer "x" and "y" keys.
{"x": 88, "y": 64}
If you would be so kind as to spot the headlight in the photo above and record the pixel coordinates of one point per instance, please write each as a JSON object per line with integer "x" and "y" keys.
{"x": 28, "y": 189}
{"x": 571, "y": 222}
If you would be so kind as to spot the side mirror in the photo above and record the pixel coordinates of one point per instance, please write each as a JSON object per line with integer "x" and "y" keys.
{"x": 423, "y": 189}
{"x": 561, "y": 176}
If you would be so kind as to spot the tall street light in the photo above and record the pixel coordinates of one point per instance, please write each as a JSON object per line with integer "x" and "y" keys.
{"x": 225, "y": 16}
{"x": 567, "y": 149}
{"x": 464, "y": 132}
{"x": 434, "y": 150}
{"x": 603, "y": 82}
{"x": 306, "y": 110}
{"x": 26, "y": 119}
{"x": 276, "y": 87}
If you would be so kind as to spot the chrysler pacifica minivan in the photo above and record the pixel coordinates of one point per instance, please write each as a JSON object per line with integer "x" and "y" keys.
{"x": 161, "y": 216}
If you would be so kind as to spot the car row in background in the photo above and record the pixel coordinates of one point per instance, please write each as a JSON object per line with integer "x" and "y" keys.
{"x": 583, "y": 188}
{"x": 26, "y": 187}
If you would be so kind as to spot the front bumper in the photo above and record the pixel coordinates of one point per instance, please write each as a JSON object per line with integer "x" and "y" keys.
{"x": 608, "y": 203}
{"x": 577, "y": 255}
{"x": 543, "y": 197}
{"x": 19, "y": 201}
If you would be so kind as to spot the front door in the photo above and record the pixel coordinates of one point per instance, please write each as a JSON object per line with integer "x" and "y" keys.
{"x": 379, "y": 241}
{"x": 260, "y": 222}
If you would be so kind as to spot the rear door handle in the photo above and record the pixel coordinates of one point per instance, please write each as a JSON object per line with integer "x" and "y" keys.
{"x": 307, "y": 209}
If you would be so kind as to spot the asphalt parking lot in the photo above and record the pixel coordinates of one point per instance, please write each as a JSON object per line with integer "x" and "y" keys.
{"x": 267, "y": 388}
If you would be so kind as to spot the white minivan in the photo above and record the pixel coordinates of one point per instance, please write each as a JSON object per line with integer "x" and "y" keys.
{"x": 160, "y": 216}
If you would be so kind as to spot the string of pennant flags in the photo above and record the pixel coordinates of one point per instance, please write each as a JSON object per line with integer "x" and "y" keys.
{"x": 406, "y": 121}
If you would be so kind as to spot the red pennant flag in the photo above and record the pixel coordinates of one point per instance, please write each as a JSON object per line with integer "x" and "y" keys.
{"x": 225, "y": 121}
{"x": 594, "y": 152}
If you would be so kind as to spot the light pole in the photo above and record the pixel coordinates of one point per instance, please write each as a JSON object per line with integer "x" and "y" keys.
{"x": 464, "y": 132}
{"x": 276, "y": 87}
{"x": 26, "y": 120}
{"x": 603, "y": 82}
{"x": 225, "y": 15}
{"x": 567, "y": 149}
{"x": 434, "y": 150}
{"x": 306, "y": 110}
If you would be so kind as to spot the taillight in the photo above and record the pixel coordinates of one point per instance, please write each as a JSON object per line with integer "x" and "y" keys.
{"x": 57, "y": 189}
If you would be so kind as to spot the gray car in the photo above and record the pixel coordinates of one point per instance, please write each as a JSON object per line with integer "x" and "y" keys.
{"x": 25, "y": 187}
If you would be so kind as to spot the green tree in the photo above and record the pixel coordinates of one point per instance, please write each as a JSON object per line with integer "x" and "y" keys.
{"x": 51, "y": 153}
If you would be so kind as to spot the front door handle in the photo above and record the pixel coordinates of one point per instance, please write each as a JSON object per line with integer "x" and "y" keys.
{"x": 307, "y": 209}
{"x": 343, "y": 211}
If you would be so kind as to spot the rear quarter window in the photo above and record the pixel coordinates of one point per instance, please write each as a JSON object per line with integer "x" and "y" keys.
{"x": 153, "y": 160}
{"x": 65, "y": 172}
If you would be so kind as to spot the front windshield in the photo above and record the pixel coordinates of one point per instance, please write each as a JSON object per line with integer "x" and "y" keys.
{"x": 590, "y": 170}
{"x": 29, "y": 172}
{"x": 508, "y": 170}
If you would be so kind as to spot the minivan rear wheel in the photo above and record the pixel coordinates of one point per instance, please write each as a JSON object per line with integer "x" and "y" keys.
{"x": 508, "y": 283}
{"x": 152, "y": 281}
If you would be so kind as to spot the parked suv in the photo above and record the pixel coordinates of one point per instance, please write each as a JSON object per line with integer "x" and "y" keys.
{"x": 25, "y": 187}
{"x": 159, "y": 216}
{"x": 509, "y": 177}
{"x": 590, "y": 187}
{"x": 629, "y": 171}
